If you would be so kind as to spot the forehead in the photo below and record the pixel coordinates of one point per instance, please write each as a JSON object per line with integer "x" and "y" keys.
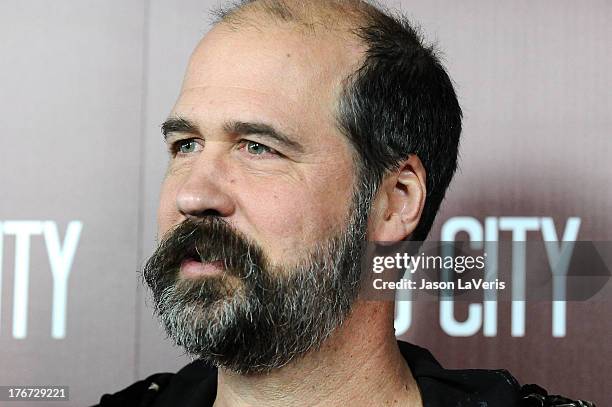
{"x": 274, "y": 72}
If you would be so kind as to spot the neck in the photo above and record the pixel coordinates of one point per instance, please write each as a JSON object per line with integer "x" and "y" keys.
{"x": 359, "y": 365}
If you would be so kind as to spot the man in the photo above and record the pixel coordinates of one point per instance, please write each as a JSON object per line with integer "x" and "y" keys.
{"x": 303, "y": 129}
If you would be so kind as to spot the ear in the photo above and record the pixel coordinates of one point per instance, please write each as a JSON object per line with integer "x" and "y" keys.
{"x": 399, "y": 202}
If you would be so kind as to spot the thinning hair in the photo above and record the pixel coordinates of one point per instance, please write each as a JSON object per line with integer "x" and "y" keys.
{"x": 399, "y": 102}
{"x": 323, "y": 14}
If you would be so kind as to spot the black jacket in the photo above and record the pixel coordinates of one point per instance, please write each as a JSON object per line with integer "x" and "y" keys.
{"x": 195, "y": 385}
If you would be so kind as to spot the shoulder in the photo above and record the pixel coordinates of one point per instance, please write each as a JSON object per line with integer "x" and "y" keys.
{"x": 193, "y": 384}
{"x": 137, "y": 392}
{"x": 466, "y": 387}
{"x": 474, "y": 387}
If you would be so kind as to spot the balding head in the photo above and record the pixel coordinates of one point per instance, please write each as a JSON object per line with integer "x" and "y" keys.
{"x": 398, "y": 101}
{"x": 311, "y": 16}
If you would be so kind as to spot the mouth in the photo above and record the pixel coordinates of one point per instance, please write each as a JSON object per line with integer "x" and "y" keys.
{"x": 196, "y": 265}
{"x": 194, "y": 268}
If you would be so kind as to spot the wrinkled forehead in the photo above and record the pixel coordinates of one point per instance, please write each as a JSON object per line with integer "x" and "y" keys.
{"x": 276, "y": 68}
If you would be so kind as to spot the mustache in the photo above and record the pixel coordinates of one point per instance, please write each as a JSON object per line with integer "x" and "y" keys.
{"x": 205, "y": 240}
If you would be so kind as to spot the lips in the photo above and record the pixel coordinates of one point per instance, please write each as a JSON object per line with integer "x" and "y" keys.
{"x": 193, "y": 268}
{"x": 200, "y": 255}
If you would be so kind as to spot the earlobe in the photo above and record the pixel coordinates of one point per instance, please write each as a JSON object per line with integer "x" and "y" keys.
{"x": 400, "y": 202}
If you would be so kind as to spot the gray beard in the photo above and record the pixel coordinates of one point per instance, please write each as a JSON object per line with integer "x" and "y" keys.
{"x": 268, "y": 316}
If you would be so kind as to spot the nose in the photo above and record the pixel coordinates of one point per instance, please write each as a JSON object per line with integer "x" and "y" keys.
{"x": 205, "y": 191}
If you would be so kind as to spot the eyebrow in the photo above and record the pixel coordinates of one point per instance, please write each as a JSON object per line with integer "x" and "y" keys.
{"x": 178, "y": 125}
{"x": 264, "y": 130}
{"x": 237, "y": 128}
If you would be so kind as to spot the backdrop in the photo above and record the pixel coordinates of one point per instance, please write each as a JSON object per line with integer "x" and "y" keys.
{"x": 84, "y": 86}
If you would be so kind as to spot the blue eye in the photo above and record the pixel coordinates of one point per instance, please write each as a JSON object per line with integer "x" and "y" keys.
{"x": 256, "y": 148}
{"x": 184, "y": 147}
{"x": 187, "y": 146}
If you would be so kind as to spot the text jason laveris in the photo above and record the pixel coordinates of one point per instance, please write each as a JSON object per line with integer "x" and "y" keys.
{"x": 425, "y": 284}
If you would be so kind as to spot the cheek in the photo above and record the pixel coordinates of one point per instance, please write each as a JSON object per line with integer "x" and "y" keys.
{"x": 293, "y": 216}
{"x": 167, "y": 214}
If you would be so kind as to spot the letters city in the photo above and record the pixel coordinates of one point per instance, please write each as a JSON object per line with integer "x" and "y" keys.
{"x": 481, "y": 316}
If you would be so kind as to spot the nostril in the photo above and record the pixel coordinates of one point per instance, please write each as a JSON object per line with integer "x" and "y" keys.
{"x": 211, "y": 212}
{"x": 200, "y": 196}
{"x": 195, "y": 216}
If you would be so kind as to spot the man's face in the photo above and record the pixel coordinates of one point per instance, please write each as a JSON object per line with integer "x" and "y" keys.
{"x": 261, "y": 219}
{"x": 285, "y": 196}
